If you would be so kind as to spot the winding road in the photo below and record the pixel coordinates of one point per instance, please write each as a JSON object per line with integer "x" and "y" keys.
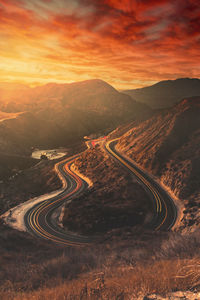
{"x": 39, "y": 221}
{"x": 165, "y": 211}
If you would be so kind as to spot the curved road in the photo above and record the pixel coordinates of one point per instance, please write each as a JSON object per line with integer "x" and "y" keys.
{"x": 39, "y": 221}
{"x": 165, "y": 212}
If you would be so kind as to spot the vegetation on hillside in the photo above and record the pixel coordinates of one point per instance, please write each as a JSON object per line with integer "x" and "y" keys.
{"x": 113, "y": 269}
{"x": 115, "y": 201}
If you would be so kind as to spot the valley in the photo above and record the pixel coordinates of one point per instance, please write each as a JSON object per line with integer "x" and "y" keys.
{"x": 137, "y": 161}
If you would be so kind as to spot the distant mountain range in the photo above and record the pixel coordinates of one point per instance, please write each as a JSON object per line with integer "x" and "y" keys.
{"x": 166, "y": 93}
{"x": 91, "y": 95}
{"x": 59, "y": 114}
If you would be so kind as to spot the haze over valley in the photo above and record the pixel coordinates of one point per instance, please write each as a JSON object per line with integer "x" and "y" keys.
{"x": 55, "y": 115}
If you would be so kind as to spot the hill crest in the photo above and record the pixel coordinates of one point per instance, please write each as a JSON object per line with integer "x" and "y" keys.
{"x": 166, "y": 93}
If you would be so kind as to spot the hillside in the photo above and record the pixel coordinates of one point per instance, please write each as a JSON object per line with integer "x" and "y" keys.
{"x": 166, "y": 93}
{"x": 94, "y": 96}
{"x": 167, "y": 145}
{"x": 115, "y": 201}
{"x": 59, "y": 114}
{"x": 20, "y": 134}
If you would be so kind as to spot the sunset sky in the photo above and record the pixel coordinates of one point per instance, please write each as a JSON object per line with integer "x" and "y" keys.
{"x": 128, "y": 43}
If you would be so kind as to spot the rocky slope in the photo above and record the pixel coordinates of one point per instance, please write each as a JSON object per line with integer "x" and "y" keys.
{"x": 167, "y": 145}
{"x": 166, "y": 93}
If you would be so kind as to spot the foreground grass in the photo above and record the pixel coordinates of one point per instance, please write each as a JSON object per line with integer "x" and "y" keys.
{"x": 120, "y": 267}
{"x": 128, "y": 282}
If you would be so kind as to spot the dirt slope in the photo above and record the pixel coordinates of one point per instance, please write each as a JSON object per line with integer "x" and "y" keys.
{"x": 167, "y": 145}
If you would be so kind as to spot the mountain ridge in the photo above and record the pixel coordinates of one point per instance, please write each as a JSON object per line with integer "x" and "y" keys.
{"x": 65, "y": 113}
{"x": 166, "y": 93}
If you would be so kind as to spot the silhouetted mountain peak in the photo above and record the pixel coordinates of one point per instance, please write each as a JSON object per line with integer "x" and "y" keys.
{"x": 166, "y": 93}
{"x": 93, "y": 84}
{"x": 179, "y": 82}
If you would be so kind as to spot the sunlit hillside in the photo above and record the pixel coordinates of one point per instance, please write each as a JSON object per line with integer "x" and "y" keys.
{"x": 63, "y": 114}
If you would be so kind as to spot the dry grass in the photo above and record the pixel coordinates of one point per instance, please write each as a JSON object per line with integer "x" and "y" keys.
{"x": 124, "y": 263}
{"x": 113, "y": 269}
{"x": 190, "y": 272}
{"x": 125, "y": 282}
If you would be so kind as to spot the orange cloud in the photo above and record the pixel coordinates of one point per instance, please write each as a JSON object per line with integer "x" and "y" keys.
{"x": 127, "y": 43}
